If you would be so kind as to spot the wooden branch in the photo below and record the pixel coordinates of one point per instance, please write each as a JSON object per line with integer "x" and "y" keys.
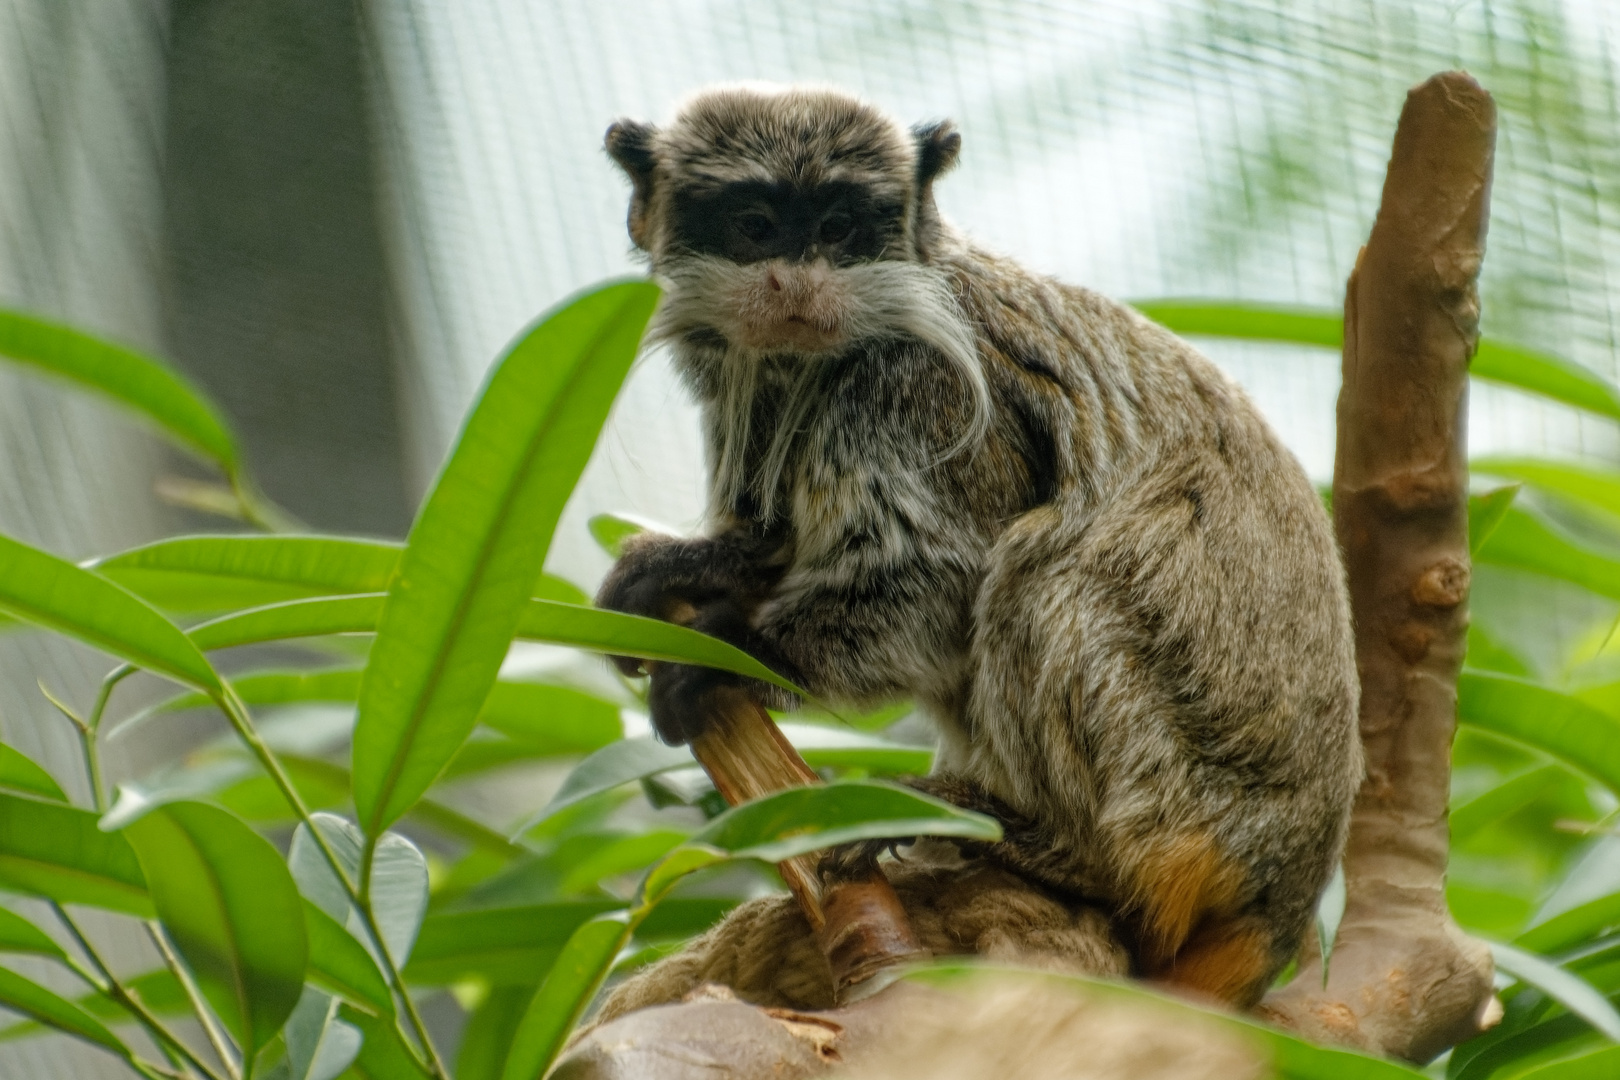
{"x": 1404, "y": 980}
{"x": 859, "y": 923}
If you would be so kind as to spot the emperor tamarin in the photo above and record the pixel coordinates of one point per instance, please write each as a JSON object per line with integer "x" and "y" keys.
{"x": 1054, "y": 524}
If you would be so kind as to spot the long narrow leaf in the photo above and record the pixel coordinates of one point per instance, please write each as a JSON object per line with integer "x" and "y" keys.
{"x": 55, "y": 851}
{"x": 212, "y": 573}
{"x": 340, "y": 964}
{"x": 476, "y": 549}
{"x": 631, "y": 635}
{"x": 127, "y": 377}
{"x": 34, "y": 1001}
{"x": 1524, "y": 541}
{"x": 18, "y": 935}
{"x": 1592, "y": 485}
{"x": 1566, "y": 727}
{"x": 564, "y": 995}
{"x": 225, "y": 897}
{"x": 805, "y": 819}
{"x": 1485, "y": 513}
{"x": 1495, "y": 361}
{"x": 19, "y": 773}
{"x": 1565, "y": 987}
{"x": 548, "y": 621}
{"x": 54, "y": 593}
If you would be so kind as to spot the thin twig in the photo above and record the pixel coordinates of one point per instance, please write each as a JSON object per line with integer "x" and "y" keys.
{"x": 205, "y": 1016}
{"x": 108, "y": 984}
{"x": 87, "y": 745}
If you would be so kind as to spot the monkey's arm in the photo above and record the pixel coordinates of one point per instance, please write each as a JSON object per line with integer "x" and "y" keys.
{"x": 875, "y": 605}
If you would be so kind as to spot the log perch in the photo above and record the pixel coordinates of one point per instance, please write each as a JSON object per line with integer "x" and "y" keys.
{"x": 1404, "y": 980}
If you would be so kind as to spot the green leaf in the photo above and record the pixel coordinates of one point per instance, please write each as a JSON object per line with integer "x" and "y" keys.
{"x": 1495, "y": 361}
{"x": 211, "y": 573}
{"x": 554, "y": 718}
{"x": 1566, "y": 727}
{"x": 398, "y": 887}
{"x": 383, "y": 1055}
{"x": 617, "y": 763}
{"x": 1485, "y": 513}
{"x": 1550, "y": 376}
{"x": 32, "y": 1000}
{"x": 631, "y": 760}
{"x": 631, "y": 635}
{"x": 18, "y": 935}
{"x": 823, "y": 746}
{"x": 687, "y": 859}
{"x": 54, "y": 593}
{"x": 805, "y": 819}
{"x": 226, "y": 899}
{"x": 58, "y": 852}
{"x": 1593, "y": 485}
{"x": 19, "y": 773}
{"x": 1565, "y": 987}
{"x": 315, "y": 617}
{"x": 1526, "y": 542}
{"x": 489, "y": 1033}
{"x": 127, "y": 377}
{"x": 340, "y": 964}
{"x": 1599, "y": 1065}
{"x": 1329, "y": 914}
{"x": 610, "y": 531}
{"x": 562, "y": 998}
{"x": 1251, "y": 322}
{"x": 513, "y": 946}
{"x": 549, "y": 621}
{"x": 1503, "y": 800}
{"x": 477, "y": 546}
{"x": 319, "y": 1044}
{"x": 555, "y": 588}
{"x": 620, "y": 856}
{"x": 1573, "y": 927}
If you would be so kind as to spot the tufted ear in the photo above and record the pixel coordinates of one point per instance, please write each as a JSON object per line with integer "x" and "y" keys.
{"x": 938, "y": 146}
{"x": 630, "y": 144}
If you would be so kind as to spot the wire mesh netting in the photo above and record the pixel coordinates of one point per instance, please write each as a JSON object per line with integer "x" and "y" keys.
{"x": 1217, "y": 148}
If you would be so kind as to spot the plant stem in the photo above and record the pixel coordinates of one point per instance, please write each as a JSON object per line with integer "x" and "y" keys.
{"x": 205, "y": 1016}
{"x": 107, "y": 984}
{"x": 87, "y": 745}
{"x": 234, "y": 709}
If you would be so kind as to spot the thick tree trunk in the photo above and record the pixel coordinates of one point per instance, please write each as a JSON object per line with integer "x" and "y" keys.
{"x": 1403, "y": 979}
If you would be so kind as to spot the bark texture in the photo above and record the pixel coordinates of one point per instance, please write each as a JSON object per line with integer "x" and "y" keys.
{"x": 1404, "y": 980}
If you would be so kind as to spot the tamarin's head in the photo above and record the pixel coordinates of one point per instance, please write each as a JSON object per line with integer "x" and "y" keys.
{"x": 791, "y": 219}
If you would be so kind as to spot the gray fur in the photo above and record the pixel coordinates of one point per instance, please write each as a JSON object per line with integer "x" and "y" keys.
{"x": 1089, "y": 558}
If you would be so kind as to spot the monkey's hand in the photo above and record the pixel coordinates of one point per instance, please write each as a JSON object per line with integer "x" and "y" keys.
{"x": 663, "y": 577}
{"x": 684, "y": 698}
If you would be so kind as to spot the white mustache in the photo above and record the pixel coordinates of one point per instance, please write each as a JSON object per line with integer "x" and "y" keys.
{"x": 810, "y": 310}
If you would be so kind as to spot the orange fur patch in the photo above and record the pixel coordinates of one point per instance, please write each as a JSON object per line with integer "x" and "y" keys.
{"x": 1181, "y": 884}
{"x": 1229, "y": 960}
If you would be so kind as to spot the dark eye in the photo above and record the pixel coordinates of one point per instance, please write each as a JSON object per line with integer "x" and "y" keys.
{"x": 835, "y": 228}
{"x": 755, "y": 226}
